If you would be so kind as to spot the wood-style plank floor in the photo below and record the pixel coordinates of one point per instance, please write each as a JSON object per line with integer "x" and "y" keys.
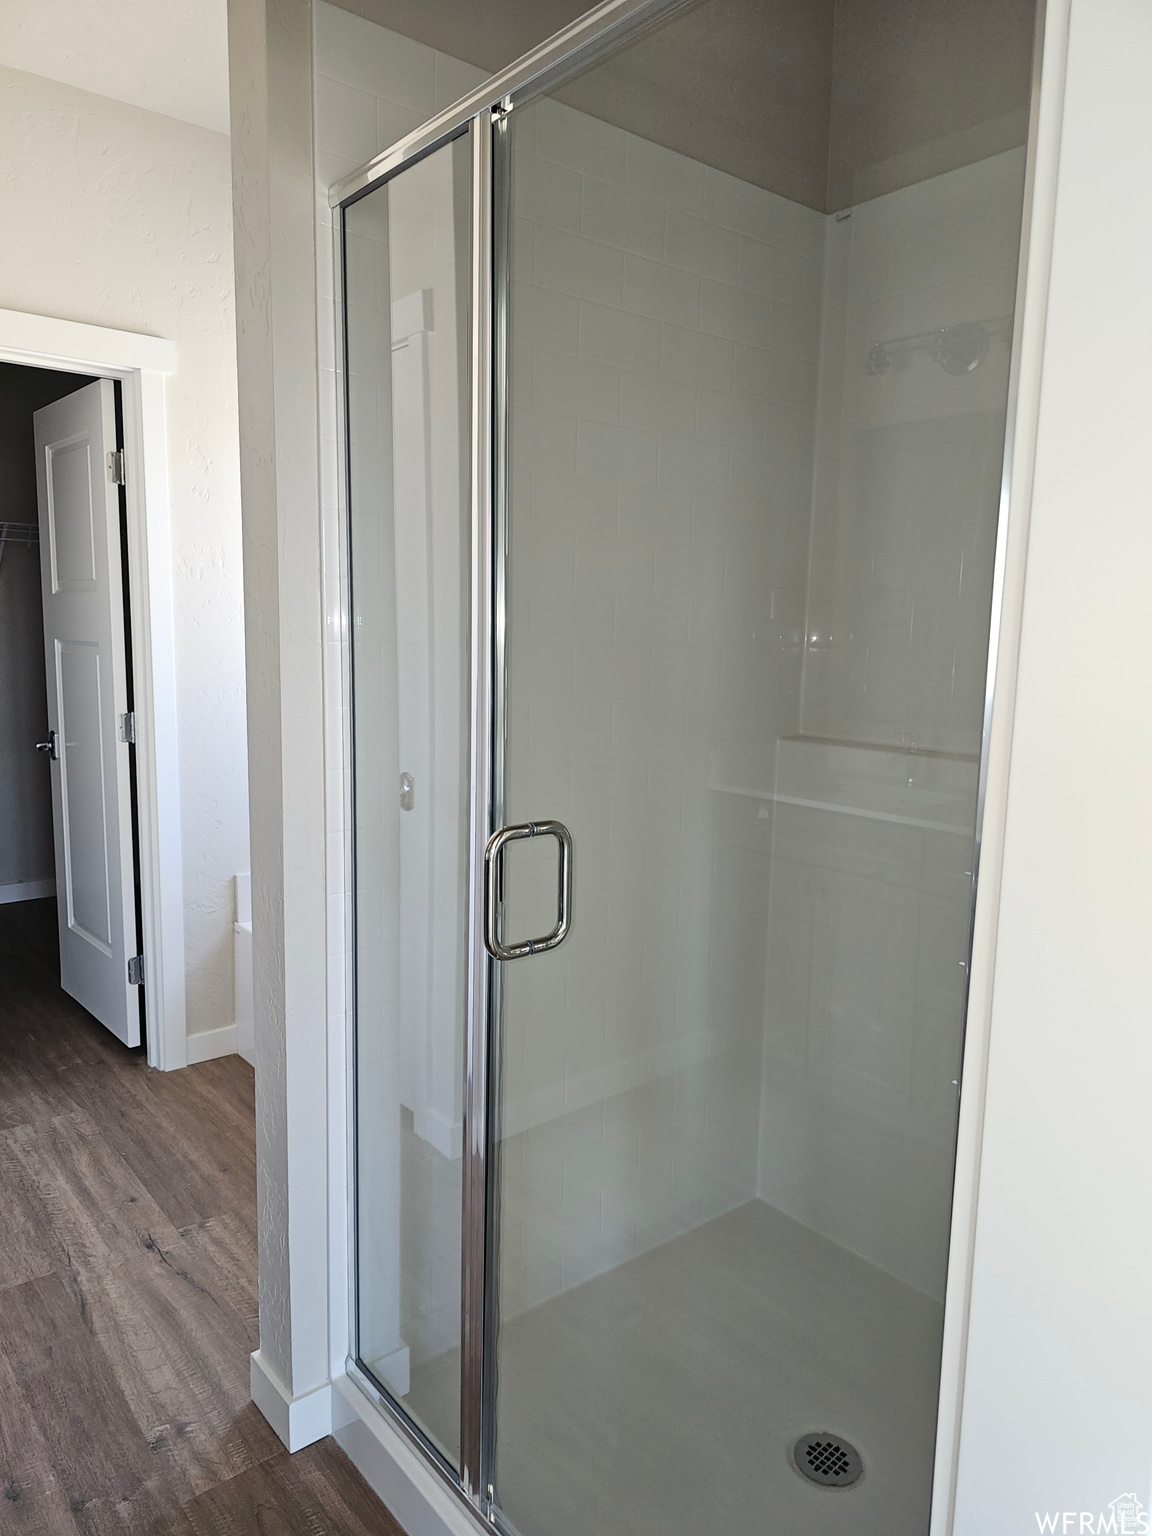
{"x": 128, "y": 1288}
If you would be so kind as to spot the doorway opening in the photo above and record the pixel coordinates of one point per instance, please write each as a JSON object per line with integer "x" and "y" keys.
{"x": 86, "y": 510}
{"x": 72, "y": 842}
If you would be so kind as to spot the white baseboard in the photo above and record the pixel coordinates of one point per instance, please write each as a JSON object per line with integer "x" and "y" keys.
{"x": 27, "y": 890}
{"x": 396, "y": 1473}
{"x": 212, "y": 1042}
{"x": 298, "y": 1421}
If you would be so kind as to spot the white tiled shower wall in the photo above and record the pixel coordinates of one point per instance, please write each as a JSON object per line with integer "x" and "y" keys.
{"x": 868, "y": 926}
{"x": 907, "y": 469}
{"x": 667, "y": 341}
{"x": 664, "y": 331}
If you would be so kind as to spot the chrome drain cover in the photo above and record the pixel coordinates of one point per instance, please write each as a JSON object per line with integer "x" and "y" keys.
{"x": 829, "y": 1460}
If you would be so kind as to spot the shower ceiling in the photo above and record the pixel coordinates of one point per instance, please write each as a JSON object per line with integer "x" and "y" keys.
{"x": 806, "y": 98}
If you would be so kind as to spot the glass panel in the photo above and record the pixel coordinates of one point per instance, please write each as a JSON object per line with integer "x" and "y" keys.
{"x": 406, "y": 287}
{"x": 763, "y": 266}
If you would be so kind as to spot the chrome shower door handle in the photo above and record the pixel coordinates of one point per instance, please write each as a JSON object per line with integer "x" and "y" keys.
{"x": 493, "y": 857}
{"x": 51, "y": 747}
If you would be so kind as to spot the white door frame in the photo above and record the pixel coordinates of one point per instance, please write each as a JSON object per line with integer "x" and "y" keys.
{"x": 140, "y": 363}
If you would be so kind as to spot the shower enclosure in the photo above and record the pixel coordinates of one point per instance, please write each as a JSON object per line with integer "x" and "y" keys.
{"x": 676, "y": 381}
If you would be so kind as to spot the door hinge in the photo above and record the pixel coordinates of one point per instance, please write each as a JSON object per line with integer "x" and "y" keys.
{"x": 128, "y": 726}
{"x": 116, "y": 466}
{"x": 136, "y": 971}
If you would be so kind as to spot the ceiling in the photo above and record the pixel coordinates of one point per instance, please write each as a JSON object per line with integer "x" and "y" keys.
{"x": 487, "y": 33}
{"x": 824, "y": 101}
{"x": 827, "y": 102}
{"x": 744, "y": 85}
{"x": 170, "y": 57}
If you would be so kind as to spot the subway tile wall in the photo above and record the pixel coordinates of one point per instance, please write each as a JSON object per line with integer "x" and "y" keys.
{"x": 867, "y": 938}
{"x": 907, "y": 480}
{"x": 870, "y": 876}
{"x": 663, "y": 338}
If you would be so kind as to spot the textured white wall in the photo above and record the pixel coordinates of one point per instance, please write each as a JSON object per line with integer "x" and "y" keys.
{"x": 121, "y": 217}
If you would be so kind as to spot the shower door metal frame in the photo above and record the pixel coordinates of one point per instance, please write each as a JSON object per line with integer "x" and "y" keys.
{"x": 482, "y": 115}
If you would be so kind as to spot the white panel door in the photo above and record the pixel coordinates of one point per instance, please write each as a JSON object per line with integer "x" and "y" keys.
{"x": 86, "y": 663}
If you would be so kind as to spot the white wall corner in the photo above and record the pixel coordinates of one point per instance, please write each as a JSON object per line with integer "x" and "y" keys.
{"x": 298, "y": 1421}
{"x": 270, "y": 66}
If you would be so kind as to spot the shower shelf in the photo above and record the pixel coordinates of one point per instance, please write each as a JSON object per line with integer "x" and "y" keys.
{"x": 866, "y": 813}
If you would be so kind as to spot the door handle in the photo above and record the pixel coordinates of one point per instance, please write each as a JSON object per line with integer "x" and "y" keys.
{"x": 51, "y": 746}
{"x": 493, "y": 864}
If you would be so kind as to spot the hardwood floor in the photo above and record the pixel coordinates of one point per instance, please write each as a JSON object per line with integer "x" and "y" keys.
{"x": 128, "y": 1288}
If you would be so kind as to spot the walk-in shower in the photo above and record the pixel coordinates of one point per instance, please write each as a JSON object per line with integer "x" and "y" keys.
{"x": 676, "y": 373}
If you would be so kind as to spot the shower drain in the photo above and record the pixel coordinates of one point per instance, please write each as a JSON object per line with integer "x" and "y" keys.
{"x": 829, "y": 1460}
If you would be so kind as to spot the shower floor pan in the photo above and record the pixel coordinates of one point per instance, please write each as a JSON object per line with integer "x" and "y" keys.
{"x": 664, "y": 1398}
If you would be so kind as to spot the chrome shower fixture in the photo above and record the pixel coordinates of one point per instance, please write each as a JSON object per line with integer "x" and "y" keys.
{"x": 961, "y": 348}
{"x": 958, "y": 349}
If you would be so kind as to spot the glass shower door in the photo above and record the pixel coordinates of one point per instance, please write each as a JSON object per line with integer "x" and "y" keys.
{"x": 666, "y": 714}
{"x": 406, "y": 255}
{"x": 654, "y": 1329}
{"x": 755, "y": 443}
